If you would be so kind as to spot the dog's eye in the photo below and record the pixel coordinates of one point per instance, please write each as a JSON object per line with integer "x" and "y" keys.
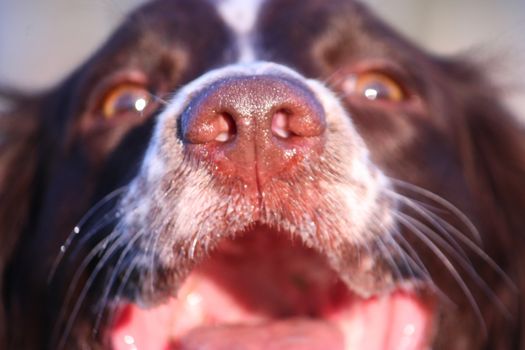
{"x": 123, "y": 99}
{"x": 373, "y": 86}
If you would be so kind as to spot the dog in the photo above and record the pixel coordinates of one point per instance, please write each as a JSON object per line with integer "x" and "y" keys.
{"x": 262, "y": 175}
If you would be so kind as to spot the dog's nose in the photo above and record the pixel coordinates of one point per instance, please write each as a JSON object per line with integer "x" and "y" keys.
{"x": 254, "y": 127}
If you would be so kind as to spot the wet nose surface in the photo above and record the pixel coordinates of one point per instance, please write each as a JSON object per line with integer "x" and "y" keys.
{"x": 254, "y": 127}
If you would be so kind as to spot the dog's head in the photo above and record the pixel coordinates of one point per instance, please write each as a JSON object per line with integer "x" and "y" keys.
{"x": 275, "y": 174}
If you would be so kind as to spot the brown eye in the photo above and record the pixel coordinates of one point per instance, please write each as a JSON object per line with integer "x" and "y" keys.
{"x": 125, "y": 98}
{"x": 374, "y": 86}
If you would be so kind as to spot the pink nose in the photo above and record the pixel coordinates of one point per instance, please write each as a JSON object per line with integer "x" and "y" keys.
{"x": 254, "y": 128}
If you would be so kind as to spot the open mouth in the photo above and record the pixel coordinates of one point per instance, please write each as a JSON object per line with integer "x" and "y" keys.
{"x": 264, "y": 290}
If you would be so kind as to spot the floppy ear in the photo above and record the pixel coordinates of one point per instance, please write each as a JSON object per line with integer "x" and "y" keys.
{"x": 18, "y": 160}
{"x": 494, "y": 148}
{"x": 499, "y": 148}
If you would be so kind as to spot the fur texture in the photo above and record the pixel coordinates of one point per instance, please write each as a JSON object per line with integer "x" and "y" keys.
{"x": 449, "y": 141}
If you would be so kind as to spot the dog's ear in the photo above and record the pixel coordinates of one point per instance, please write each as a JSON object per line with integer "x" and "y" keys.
{"x": 19, "y": 133}
{"x": 491, "y": 140}
{"x": 498, "y": 141}
{"x": 493, "y": 147}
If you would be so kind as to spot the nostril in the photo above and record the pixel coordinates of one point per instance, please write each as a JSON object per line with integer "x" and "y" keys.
{"x": 305, "y": 120}
{"x": 206, "y": 126}
{"x": 280, "y": 124}
{"x": 225, "y": 127}
{"x": 302, "y": 121}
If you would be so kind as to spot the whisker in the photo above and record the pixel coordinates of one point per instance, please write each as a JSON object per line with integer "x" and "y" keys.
{"x": 407, "y": 260}
{"x": 481, "y": 253}
{"x": 193, "y": 247}
{"x": 431, "y": 219}
{"x": 158, "y": 98}
{"x": 78, "y": 228}
{"x": 467, "y": 266}
{"x": 108, "y": 219}
{"x": 152, "y": 245}
{"x": 111, "y": 281}
{"x": 101, "y": 246}
{"x": 329, "y": 80}
{"x": 449, "y": 265}
{"x": 390, "y": 259}
{"x": 414, "y": 256}
{"x": 413, "y": 261}
{"x": 151, "y": 248}
{"x": 127, "y": 274}
{"x": 453, "y": 234}
{"x": 448, "y": 205}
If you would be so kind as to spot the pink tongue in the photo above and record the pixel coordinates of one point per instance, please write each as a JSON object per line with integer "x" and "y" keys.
{"x": 280, "y": 335}
{"x": 395, "y": 322}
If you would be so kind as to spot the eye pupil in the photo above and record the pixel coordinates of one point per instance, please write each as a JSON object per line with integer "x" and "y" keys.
{"x": 378, "y": 90}
{"x": 374, "y": 86}
{"x": 125, "y": 99}
{"x": 126, "y": 102}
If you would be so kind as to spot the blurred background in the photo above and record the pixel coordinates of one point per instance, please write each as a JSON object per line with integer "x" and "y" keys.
{"x": 42, "y": 40}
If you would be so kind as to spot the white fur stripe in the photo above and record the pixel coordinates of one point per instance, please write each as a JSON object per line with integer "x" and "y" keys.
{"x": 241, "y": 16}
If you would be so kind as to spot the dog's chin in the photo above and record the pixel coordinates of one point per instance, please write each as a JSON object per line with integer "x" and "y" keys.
{"x": 265, "y": 290}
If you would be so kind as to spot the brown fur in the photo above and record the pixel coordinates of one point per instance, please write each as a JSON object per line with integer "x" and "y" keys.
{"x": 468, "y": 149}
